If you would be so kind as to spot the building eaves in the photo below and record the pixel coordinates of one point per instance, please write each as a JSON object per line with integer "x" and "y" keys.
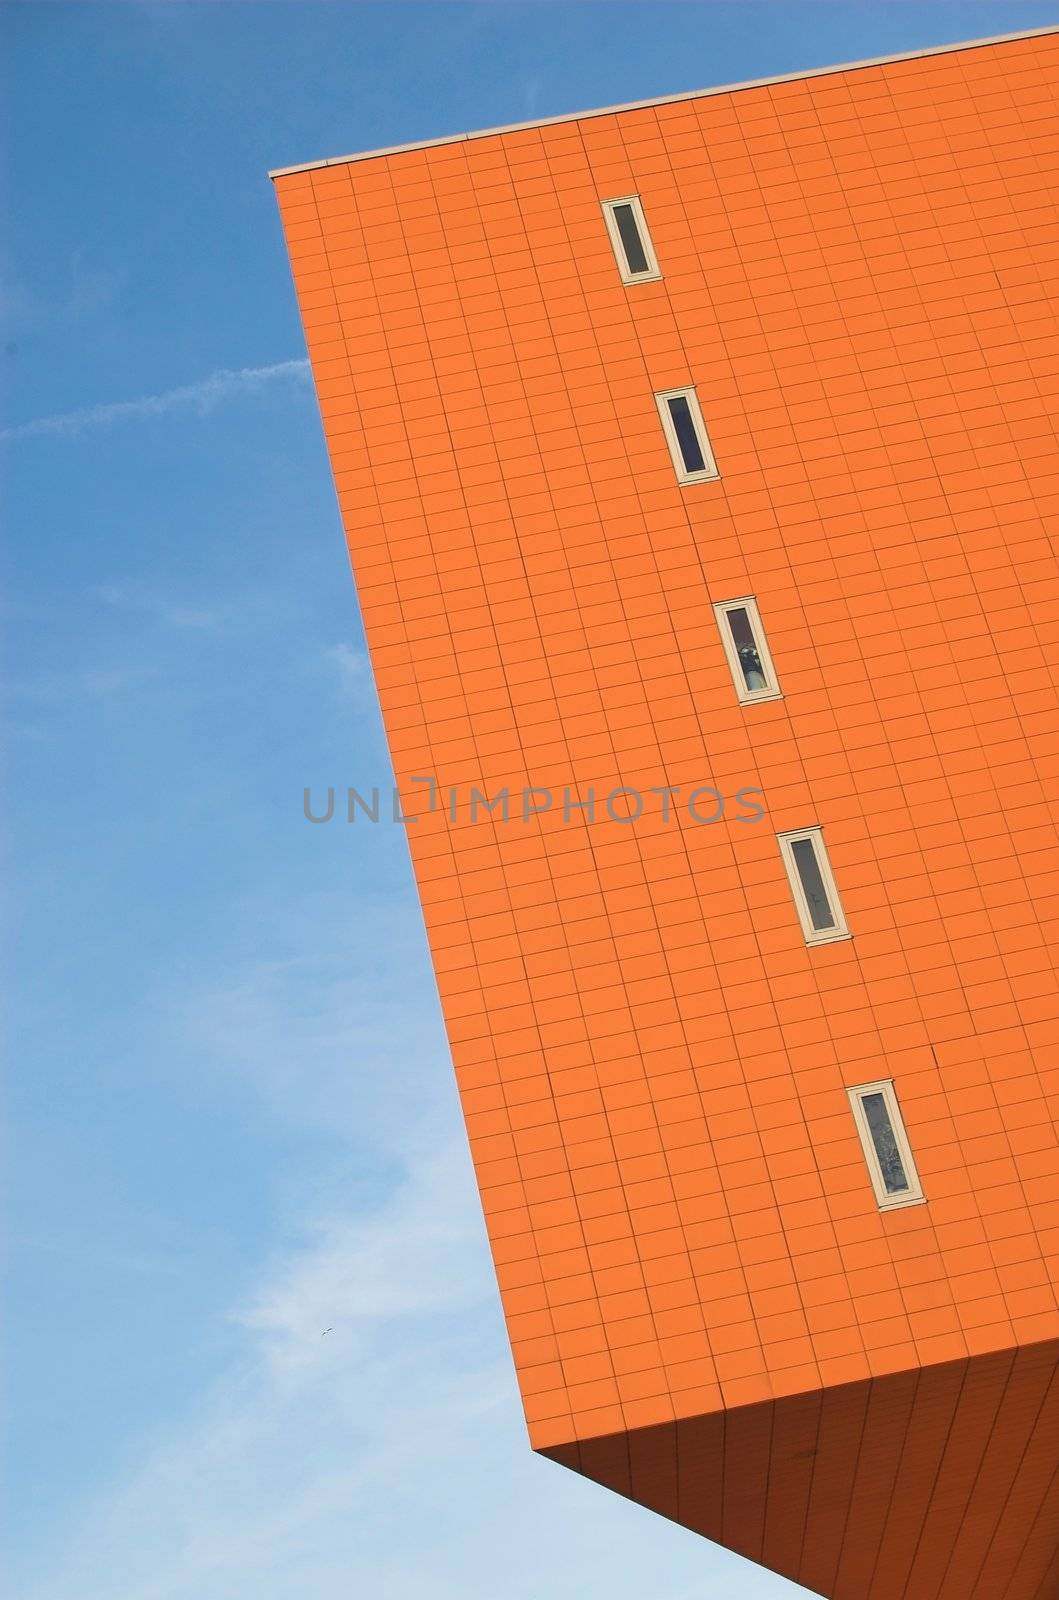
{"x": 664, "y": 100}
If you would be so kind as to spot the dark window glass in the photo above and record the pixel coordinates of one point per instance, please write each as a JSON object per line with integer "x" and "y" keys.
{"x": 820, "y": 914}
{"x": 687, "y": 438}
{"x": 746, "y": 649}
{"x": 881, "y": 1129}
{"x": 631, "y": 243}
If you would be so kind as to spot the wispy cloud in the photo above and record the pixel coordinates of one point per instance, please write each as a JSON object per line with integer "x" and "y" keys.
{"x": 138, "y": 601}
{"x": 60, "y": 688}
{"x": 531, "y": 86}
{"x": 387, "y": 1457}
{"x": 201, "y": 397}
{"x": 350, "y": 666}
{"x": 85, "y": 288}
{"x": 418, "y": 1256}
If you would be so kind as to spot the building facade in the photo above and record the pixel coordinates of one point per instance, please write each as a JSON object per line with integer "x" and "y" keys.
{"x": 699, "y": 466}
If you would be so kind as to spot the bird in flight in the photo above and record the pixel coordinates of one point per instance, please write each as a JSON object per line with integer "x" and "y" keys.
{"x": 326, "y": 1331}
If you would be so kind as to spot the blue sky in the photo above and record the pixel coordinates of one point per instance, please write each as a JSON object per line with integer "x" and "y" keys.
{"x": 230, "y": 1119}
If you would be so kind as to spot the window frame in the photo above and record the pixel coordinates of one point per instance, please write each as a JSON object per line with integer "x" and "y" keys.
{"x": 687, "y": 392}
{"x": 914, "y": 1195}
{"x": 654, "y": 271}
{"x": 813, "y": 936}
{"x": 745, "y": 696}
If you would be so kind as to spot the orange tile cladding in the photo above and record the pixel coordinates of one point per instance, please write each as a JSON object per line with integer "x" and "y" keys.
{"x": 707, "y": 1310}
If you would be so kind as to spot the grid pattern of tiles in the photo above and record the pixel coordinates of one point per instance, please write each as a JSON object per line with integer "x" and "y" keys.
{"x": 935, "y": 1484}
{"x": 857, "y": 279}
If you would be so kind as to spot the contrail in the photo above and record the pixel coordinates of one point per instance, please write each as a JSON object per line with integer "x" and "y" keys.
{"x": 206, "y": 393}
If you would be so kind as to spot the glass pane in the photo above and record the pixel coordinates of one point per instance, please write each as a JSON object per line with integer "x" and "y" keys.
{"x": 635, "y": 254}
{"x": 820, "y": 914}
{"x": 882, "y": 1137}
{"x": 687, "y": 438}
{"x": 746, "y": 649}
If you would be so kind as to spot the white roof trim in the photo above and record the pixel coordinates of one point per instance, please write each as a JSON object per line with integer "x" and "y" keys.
{"x": 666, "y": 99}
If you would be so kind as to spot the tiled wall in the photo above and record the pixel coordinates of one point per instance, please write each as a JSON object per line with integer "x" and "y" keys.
{"x": 859, "y": 276}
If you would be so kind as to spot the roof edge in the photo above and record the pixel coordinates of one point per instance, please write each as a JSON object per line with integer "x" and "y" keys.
{"x": 665, "y": 100}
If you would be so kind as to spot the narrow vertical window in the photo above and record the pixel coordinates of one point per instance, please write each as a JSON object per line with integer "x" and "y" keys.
{"x": 686, "y": 435}
{"x": 813, "y": 885}
{"x": 745, "y": 646}
{"x": 885, "y": 1144}
{"x": 630, "y": 240}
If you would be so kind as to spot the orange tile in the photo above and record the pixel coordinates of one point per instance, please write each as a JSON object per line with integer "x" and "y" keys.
{"x": 652, "y": 1062}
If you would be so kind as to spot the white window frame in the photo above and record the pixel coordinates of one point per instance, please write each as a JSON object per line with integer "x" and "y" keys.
{"x": 813, "y": 935}
{"x": 662, "y": 399}
{"x": 654, "y": 271}
{"x": 913, "y": 1195}
{"x": 745, "y": 696}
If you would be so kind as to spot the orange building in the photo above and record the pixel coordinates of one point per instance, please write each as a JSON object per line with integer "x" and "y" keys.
{"x": 697, "y": 459}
